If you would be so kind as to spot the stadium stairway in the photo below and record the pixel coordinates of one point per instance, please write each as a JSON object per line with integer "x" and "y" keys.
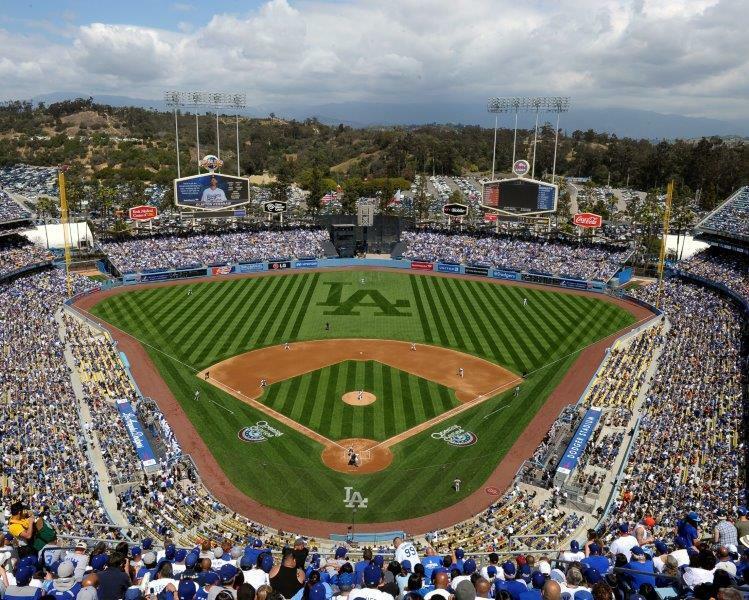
{"x": 106, "y": 489}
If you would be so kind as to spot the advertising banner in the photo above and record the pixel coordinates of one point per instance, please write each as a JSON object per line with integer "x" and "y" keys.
{"x": 305, "y": 264}
{"x": 471, "y": 270}
{"x": 579, "y": 441}
{"x": 250, "y": 267}
{"x": 143, "y": 213}
{"x": 420, "y": 265}
{"x": 587, "y": 220}
{"x": 169, "y": 275}
{"x": 444, "y": 268}
{"x": 222, "y": 270}
{"x": 135, "y": 431}
{"x": 279, "y": 264}
{"x": 574, "y": 284}
{"x": 502, "y": 274}
{"x": 211, "y": 191}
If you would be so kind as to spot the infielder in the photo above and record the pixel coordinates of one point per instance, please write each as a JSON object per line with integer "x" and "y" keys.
{"x": 413, "y": 347}
{"x": 286, "y": 346}
{"x": 460, "y": 372}
{"x": 360, "y": 395}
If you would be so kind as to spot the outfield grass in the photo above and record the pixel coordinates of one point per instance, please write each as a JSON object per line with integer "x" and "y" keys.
{"x": 223, "y": 318}
{"x": 403, "y": 400}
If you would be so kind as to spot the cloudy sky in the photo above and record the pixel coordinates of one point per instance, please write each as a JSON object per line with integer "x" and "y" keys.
{"x": 688, "y": 57}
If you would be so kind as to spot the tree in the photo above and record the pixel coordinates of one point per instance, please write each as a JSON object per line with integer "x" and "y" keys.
{"x": 351, "y": 194}
{"x": 564, "y": 208}
{"x": 421, "y": 198}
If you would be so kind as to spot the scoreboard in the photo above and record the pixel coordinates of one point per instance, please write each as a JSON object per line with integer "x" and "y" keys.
{"x": 520, "y": 196}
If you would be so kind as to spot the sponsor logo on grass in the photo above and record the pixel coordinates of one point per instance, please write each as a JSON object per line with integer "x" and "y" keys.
{"x": 455, "y": 435}
{"x": 259, "y": 432}
{"x": 353, "y": 499}
{"x": 361, "y": 297}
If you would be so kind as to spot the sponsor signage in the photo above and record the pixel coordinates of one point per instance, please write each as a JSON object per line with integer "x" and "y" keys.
{"x": 354, "y": 499}
{"x": 143, "y": 213}
{"x": 502, "y": 274}
{"x": 420, "y": 265}
{"x": 222, "y": 270}
{"x": 455, "y": 435}
{"x": 250, "y": 267}
{"x": 471, "y": 270}
{"x": 135, "y": 431}
{"x": 305, "y": 264}
{"x": 168, "y": 275}
{"x": 443, "y": 268}
{"x": 274, "y": 207}
{"x": 211, "y": 192}
{"x": 279, "y": 264}
{"x": 240, "y": 213}
{"x": 259, "y": 432}
{"x": 574, "y": 284}
{"x": 521, "y": 167}
{"x": 520, "y": 196}
{"x": 490, "y": 217}
{"x": 587, "y": 220}
{"x": 579, "y": 441}
{"x": 455, "y": 210}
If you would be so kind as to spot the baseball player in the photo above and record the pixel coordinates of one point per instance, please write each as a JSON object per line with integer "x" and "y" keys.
{"x": 207, "y": 375}
{"x": 413, "y": 347}
{"x": 517, "y": 391}
{"x": 360, "y": 395}
{"x": 286, "y": 346}
{"x": 525, "y": 301}
{"x": 456, "y": 484}
{"x": 263, "y": 383}
{"x": 362, "y": 281}
{"x": 460, "y": 372}
{"x": 189, "y": 292}
{"x": 197, "y": 394}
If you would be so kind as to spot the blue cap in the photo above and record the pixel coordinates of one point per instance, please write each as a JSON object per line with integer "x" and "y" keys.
{"x": 491, "y": 571}
{"x": 575, "y": 546}
{"x": 637, "y": 551}
{"x": 693, "y": 516}
{"x": 509, "y": 568}
{"x": 132, "y": 593}
{"x": 187, "y": 589}
{"x": 257, "y": 543}
{"x": 406, "y": 565}
{"x": 681, "y": 541}
{"x": 24, "y": 575}
{"x": 538, "y": 580}
{"x": 372, "y": 574}
{"x": 592, "y": 575}
{"x": 191, "y": 559}
{"x": 624, "y": 527}
{"x": 170, "y": 551}
{"x": 211, "y": 578}
{"x": 267, "y": 563}
{"x": 594, "y": 549}
{"x": 469, "y": 566}
{"x": 379, "y": 560}
{"x": 742, "y": 511}
{"x": 583, "y": 595}
{"x": 317, "y": 592}
{"x": 135, "y": 551}
{"x": 460, "y": 553}
{"x": 346, "y": 580}
{"x": 147, "y": 544}
{"x": 246, "y": 562}
{"x": 98, "y": 562}
{"x": 227, "y": 573}
{"x": 661, "y": 546}
{"x": 180, "y": 555}
{"x": 340, "y": 552}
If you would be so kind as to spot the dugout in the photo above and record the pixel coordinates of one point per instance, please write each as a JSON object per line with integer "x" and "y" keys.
{"x": 351, "y": 239}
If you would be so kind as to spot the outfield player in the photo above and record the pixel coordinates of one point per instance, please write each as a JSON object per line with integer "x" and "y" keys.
{"x": 189, "y": 292}
{"x": 197, "y": 394}
{"x": 525, "y": 301}
{"x": 456, "y": 484}
{"x": 405, "y": 551}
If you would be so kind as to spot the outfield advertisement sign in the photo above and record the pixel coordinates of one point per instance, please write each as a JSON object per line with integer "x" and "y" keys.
{"x": 574, "y": 284}
{"x": 579, "y": 441}
{"x": 306, "y": 264}
{"x": 277, "y": 265}
{"x": 250, "y": 267}
{"x": 444, "y": 268}
{"x": 508, "y": 275}
{"x": 420, "y": 265}
{"x": 169, "y": 275}
{"x": 222, "y": 270}
{"x": 472, "y": 270}
{"x": 135, "y": 431}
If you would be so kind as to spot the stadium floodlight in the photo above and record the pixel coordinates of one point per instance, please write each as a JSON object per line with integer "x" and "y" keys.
{"x": 198, "y": 99}
{"x": 536, "y": 104}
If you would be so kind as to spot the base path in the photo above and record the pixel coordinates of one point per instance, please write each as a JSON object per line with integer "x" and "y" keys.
{"x": 473, "y": 379}
{"x": 151, "y": 383}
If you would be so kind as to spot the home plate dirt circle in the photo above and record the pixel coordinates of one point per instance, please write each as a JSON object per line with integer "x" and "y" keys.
{"x": 353, "y": 399}
{"x": 373, "y": 456}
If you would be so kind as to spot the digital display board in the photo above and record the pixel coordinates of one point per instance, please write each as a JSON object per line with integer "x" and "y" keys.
{"x": 211, "y": 191}
{"x": 518, "y": 196}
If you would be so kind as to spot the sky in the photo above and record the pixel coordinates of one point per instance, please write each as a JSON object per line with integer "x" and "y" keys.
{"x": 686, "y": 57}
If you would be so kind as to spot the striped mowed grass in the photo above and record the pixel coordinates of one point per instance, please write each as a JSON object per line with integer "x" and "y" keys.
{"x": 186, "y": 333}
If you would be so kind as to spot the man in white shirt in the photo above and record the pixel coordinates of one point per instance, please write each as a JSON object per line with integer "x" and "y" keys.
{"x": 371, "y": 591}
{"x": 624, "y": 543}
{"x": 574, "y": 553}
{"x": 441, "y": 583}
{"x": 213, "y": 196}
{"x": 405, "y": 551}
{"x": 681, "y": 554}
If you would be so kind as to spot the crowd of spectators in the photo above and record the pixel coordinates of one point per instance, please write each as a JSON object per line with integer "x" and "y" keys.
{"x": 16, "y": 252}
{"x": 727, "y": 268}
{"x": 583, "y": 261}
{"x": 10, "y": 210}
{"x": 732, "y": 217}
{"x": 139, "y": 254}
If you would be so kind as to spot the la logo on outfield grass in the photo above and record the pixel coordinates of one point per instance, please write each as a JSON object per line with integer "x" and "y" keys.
{"x": 376, "y": 300}
{"x": 354, "y": 499}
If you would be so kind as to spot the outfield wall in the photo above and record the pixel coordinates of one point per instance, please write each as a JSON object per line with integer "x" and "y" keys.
{"x": 414, "y": 265}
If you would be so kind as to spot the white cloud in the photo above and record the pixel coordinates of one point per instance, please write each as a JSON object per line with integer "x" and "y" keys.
{"x": 679, "y": 56}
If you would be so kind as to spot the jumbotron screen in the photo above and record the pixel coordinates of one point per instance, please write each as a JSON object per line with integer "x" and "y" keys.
{"x": 520, "y": 196}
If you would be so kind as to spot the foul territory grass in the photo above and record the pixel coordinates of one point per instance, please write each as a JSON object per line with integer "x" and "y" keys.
{"x": 185, "y": 333}
{"x": 403, "y": 400}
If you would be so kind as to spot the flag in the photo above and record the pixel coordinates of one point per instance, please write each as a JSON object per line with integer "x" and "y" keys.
{"x": 397, "y": 198}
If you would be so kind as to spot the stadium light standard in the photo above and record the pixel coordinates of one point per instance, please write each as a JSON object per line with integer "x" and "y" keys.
{"x": 195, "y": 100}
{"x": 536, "y": 104}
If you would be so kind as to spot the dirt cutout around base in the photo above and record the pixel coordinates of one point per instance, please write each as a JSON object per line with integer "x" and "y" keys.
{"x": 373, "y": 457}
{"x": 353, "y": 398}
{"x": 473, "y": 379}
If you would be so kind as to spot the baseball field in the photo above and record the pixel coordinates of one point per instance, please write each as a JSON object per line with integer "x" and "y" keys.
{"x": 270, "y": 378}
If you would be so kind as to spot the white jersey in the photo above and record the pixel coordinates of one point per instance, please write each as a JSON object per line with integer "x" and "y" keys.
{"x": 369, "y": 594}
{"x": 213, "y": 197}
{"x": 407, "y": 551}
{"x": 623, "y": 545}
{"x": 570, "y": 556}
{"x": 256, "y": 577}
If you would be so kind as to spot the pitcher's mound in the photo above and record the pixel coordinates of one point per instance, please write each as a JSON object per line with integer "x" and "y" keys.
{"x": 372, "y": 456}
{"x": 353, "y": 398}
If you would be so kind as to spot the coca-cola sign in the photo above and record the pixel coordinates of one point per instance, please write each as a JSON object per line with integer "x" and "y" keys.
{"x": 143, "y": 213}
{"x": 588, "y": 220}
